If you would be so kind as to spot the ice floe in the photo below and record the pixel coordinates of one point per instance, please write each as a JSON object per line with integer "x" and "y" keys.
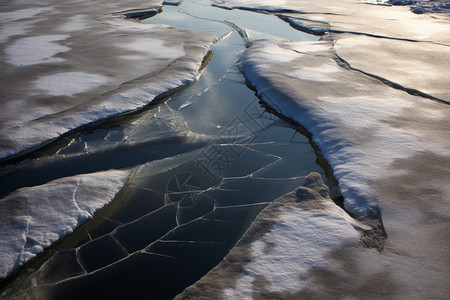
{"x": 172, "y": 2}
{"x": 348, "y": 115}
{"x": 101, "y": 66}
{"x": 33, "y": 218}
{"x": 383, "y": 133}
{"x": 19, "y": 28}
{"x": 424, "y": 6}
{"x": 297, "y": 241}
{"x": 347, "y": 16}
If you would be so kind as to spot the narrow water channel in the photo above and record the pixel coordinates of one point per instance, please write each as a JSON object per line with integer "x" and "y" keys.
{"x": 206, "y": 160}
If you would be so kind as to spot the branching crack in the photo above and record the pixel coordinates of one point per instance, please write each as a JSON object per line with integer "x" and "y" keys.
{"x": 343, "y": 63}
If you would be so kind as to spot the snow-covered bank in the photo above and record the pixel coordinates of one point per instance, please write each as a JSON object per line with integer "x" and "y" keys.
{"x": 31, "y": 219}
{"x": 64, "y": 66}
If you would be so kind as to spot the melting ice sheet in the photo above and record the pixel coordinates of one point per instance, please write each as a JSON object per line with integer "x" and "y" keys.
{"x": 173, "y": 222}
{"x": 197, "y": 205}
{"x": 215, "y": 158}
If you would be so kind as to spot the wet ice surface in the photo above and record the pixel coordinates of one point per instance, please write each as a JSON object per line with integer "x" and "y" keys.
{"x": 204, "y": 163}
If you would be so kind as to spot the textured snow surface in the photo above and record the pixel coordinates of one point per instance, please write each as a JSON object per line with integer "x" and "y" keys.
{"x": 33, "y": 218}
{"x": 78, "y": 22}
{"x": 298, "y": 241}
{"x": 374, "y": 95}
{"x": 351, "y": 117}
{"x": 23, "y": 13}
{"x": 422, "y": 66}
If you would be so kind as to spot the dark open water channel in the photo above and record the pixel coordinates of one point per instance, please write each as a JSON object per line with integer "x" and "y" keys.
{"x": 206, "y": 160}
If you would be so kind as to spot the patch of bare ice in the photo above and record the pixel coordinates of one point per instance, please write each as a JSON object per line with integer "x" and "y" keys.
{"x": 154, "y": 48}
{"x": 75, "y": 23}
{"x": 69, "y": 83}
{"x": 36, "y": 50}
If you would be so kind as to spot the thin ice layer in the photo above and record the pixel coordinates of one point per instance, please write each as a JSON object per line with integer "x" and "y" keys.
{"x": 33, "y": 218}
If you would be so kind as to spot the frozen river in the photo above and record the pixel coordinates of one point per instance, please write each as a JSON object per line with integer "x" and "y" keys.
{"x": 204, "y": 160}
{"x": 212, "y": 149}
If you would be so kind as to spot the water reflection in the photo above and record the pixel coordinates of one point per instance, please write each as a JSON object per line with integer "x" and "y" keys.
{"x": 201, "y": 17}
{"x": 206, "y": 162}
